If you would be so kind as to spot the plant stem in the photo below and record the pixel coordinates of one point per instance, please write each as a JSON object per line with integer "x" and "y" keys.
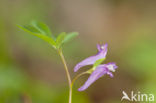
{"x": 67, "y": 73}
{"x": 76, "y": 77}
{"x": 70, "y": 94}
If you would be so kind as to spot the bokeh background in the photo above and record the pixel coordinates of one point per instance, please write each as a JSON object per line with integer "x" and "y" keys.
{"x": 32, "y": 72}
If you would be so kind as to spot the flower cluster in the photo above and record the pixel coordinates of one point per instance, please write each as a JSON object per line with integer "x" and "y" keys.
{"x": 98, "y": 71}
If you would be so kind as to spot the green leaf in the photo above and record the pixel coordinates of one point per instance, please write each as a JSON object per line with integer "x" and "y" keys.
{"x": 36, "y": 32}
{"x": 42, "y": 31}
{"x": 60, "y": 39}
{"x": 98, "y": 62}
{"x": 70, "y": 36}
{"x": 42, "y": 28}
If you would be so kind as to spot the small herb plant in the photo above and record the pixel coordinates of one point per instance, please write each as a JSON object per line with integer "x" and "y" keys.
{"x": 98, "y": 69}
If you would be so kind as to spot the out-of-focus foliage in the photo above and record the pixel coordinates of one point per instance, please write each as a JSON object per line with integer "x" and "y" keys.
{"x": 142, "y": 56}
{"x": 16, "y": 86}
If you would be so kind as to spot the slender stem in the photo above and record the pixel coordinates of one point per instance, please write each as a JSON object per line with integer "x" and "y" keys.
{"x": 65, "y": 66}
{"x": 71, "y": 83}
{"x": 70, "y": 94}
{"x": 68, "y": 75}
{"x": 76, "y": 77}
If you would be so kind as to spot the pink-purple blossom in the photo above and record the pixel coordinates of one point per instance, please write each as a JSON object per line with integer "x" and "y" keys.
{"x": 98, "y": 71}
{"x": 91, "y": 60}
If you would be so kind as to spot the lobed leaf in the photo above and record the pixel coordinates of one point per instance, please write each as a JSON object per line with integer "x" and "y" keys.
{"x": 60, "y": 39}
{"x": 70, "y": 36}
{"x": 43, "y": 32}
{"x": 42, "y": 28}
{"x": 34, "y": 31}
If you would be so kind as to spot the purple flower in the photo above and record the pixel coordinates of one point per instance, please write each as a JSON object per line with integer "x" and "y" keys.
{"x": 100, "y": 71}
{"x": 91, "y": 60}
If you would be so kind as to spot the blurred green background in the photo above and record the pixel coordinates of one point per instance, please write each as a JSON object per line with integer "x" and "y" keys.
{"x": 32, "y": 72}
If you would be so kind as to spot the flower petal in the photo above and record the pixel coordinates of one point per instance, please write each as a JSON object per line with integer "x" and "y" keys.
{"x": 99, "y": 72}
{"x": 110, "y": 74}
{"x": 101, "y": 47}
{"x": 111, "y": 66}
{"x": 91, "y": 60}
{"x": 98, "y": 47}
